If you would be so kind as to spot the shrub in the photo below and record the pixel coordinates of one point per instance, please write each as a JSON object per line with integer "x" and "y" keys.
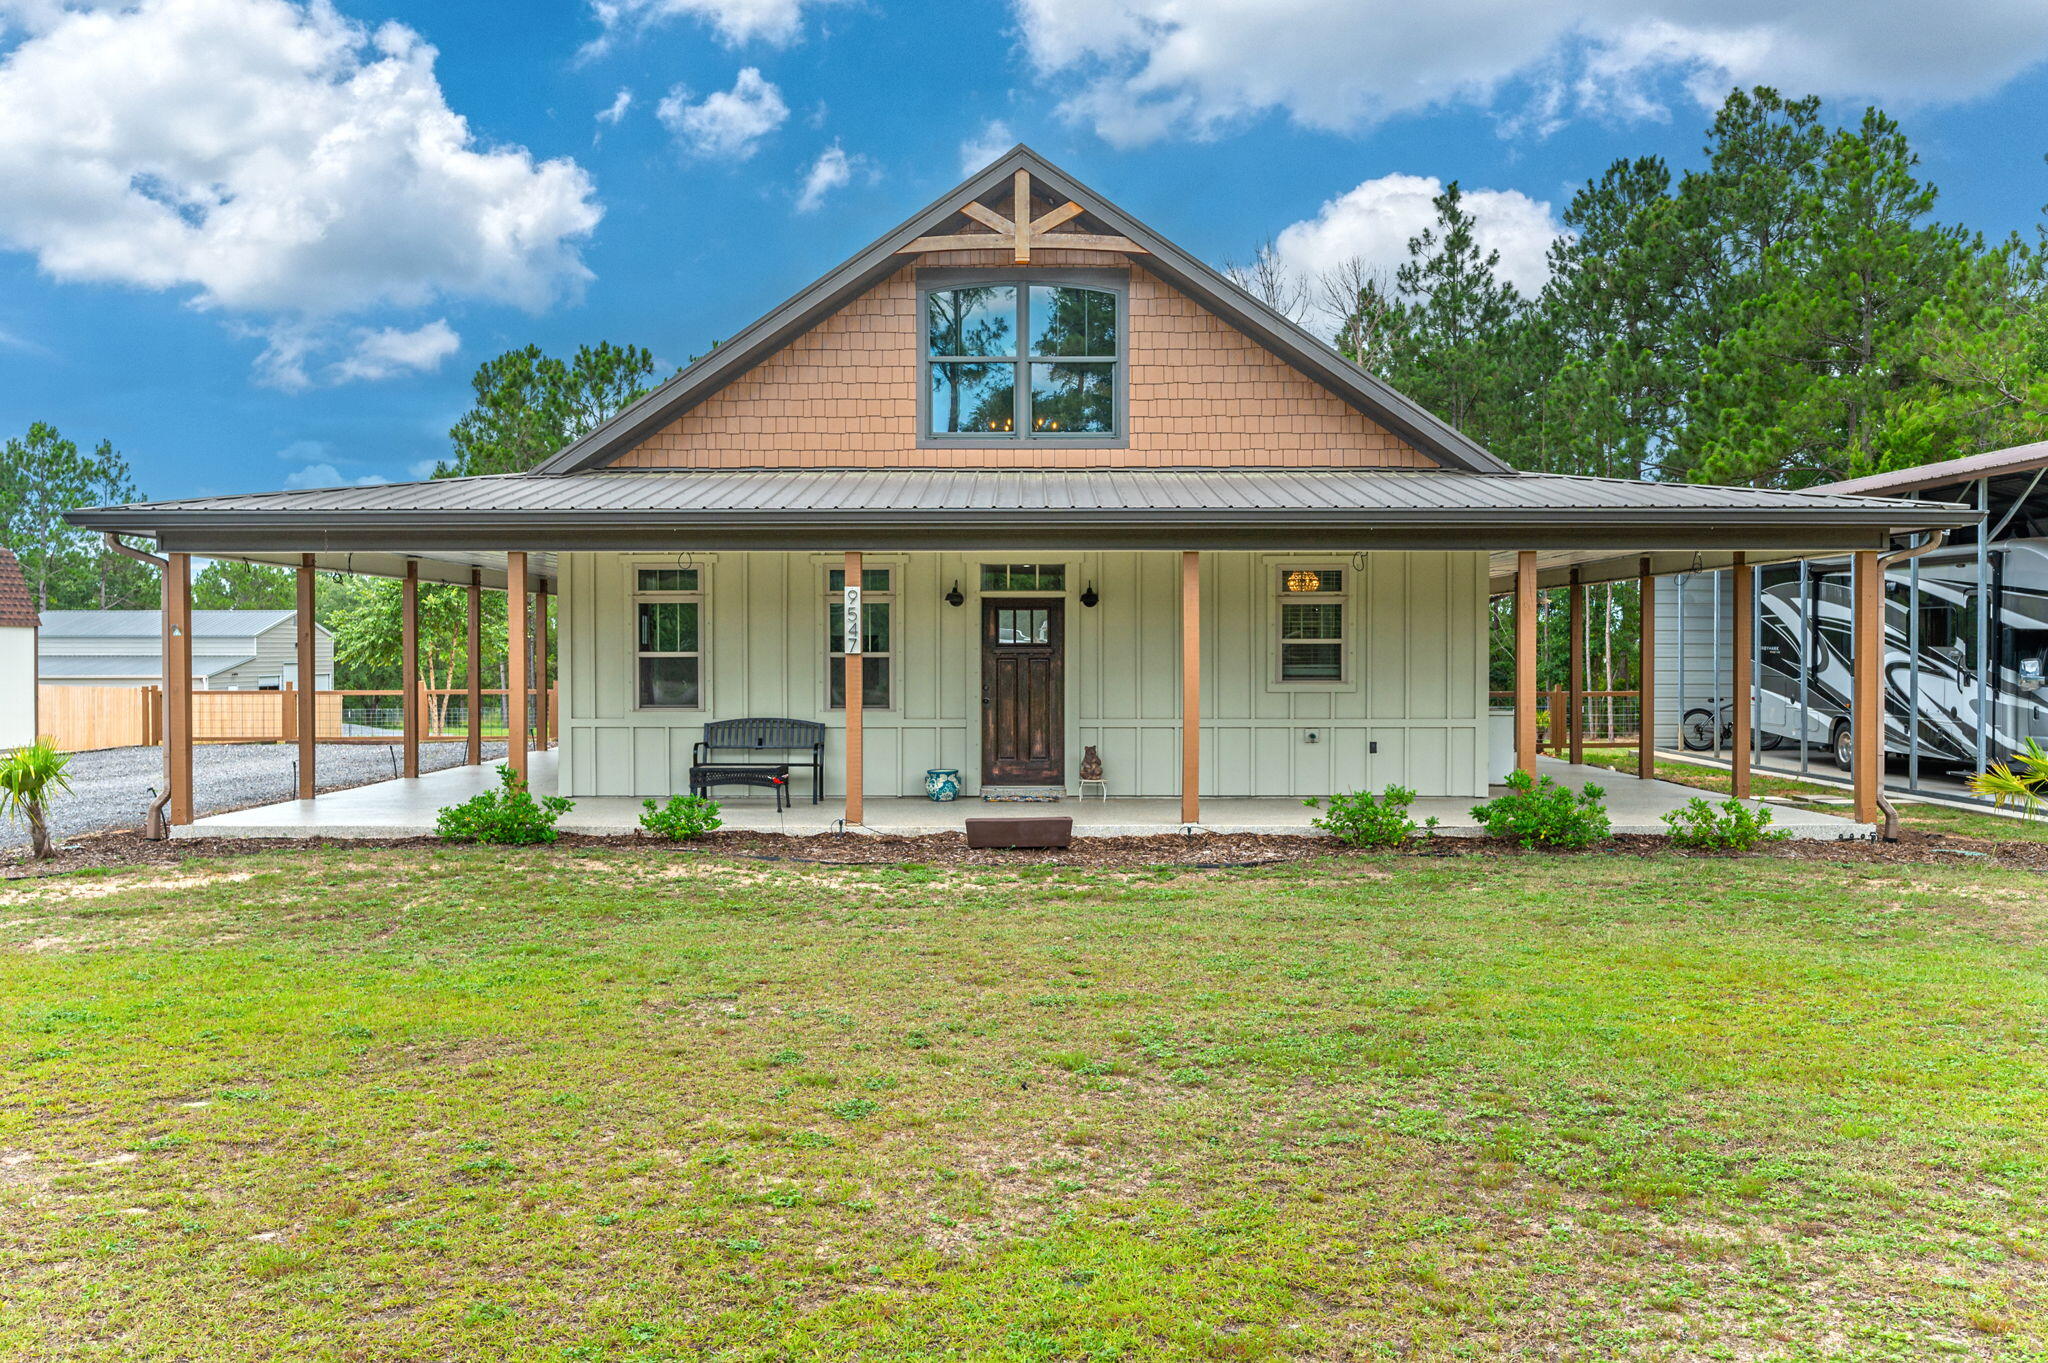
{"x": 1361, "y": 819}
{"x": 1545, "y": 814}
{"x": 2023, "y": 787}
{"x": 29, "y": 776}
{"x": 682, "y": 818}
{"x": 508, "y": 815}
{"x": 1732, "y": 825}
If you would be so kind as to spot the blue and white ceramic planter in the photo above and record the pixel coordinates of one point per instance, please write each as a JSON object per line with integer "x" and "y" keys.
{"x": 942, "y": 783}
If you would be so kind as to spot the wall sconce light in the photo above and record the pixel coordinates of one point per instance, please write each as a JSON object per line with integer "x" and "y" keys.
{"x": 954, "y": 598}
{"x": 1089, "y": 598}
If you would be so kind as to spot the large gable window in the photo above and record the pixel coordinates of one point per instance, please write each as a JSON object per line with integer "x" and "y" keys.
{"x": 1023, "y": 360}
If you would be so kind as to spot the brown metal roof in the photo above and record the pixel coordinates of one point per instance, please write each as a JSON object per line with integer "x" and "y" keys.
{"x": 1947, "y": 473}
{"x": 17, "y": 607}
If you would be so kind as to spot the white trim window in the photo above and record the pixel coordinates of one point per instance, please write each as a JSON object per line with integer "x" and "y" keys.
{"x": 1309, "y": 621}
{"x": 877, "y": 637}
{"x": 668, "y": 621}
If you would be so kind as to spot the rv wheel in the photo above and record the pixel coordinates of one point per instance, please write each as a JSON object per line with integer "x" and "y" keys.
{"x": 1697, "y": 730}
{"x": 1845, "y": 747}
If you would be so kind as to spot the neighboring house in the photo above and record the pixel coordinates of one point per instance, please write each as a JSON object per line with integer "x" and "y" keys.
{"x": 17, "y": 656}
{"x": 1090, "y": 493}
{"x": 232, "y": 650}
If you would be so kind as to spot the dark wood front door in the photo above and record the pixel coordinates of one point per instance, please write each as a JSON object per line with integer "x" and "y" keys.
{"x": 1023, "y": 691}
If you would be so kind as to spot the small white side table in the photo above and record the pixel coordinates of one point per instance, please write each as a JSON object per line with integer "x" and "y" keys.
{"x": 1101, "y": 789}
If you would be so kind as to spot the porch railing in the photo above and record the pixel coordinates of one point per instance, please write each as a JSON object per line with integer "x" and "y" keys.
{"x": 1607, "y": 719}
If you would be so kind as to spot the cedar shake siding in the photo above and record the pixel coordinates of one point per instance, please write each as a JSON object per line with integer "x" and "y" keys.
{"x": 1201, "y": 394}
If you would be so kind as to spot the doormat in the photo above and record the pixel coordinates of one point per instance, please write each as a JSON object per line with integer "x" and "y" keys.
{"x": 1022, "y": 795}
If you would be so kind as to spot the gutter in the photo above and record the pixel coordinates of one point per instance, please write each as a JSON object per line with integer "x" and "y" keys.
{"x": 153, "y": 826}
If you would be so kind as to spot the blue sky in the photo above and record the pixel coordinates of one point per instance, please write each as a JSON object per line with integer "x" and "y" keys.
{"x": 261, "y": 247}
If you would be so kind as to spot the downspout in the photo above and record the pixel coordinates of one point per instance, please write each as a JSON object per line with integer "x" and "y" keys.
{"x": 1935, "y": 539}
{"x": 153, "y": 826}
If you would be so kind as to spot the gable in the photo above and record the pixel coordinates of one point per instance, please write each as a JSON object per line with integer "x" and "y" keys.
{"x": 1201, "y": 393}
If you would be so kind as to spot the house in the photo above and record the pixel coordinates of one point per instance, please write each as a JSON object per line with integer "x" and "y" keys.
{"x": 18, "y": 626}
{"x": 1072, "y": 488}
{"x": 231, "y": 650}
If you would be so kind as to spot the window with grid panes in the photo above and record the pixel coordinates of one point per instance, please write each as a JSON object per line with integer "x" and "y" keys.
{"x": 668, "y": 604}
{"x": 877, "y": 602}
{"x": 1309, "y": 617}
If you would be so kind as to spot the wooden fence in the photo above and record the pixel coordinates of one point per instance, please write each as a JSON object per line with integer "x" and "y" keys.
{"x": 84, "y": 718}
{"x": 1608, "y": 719}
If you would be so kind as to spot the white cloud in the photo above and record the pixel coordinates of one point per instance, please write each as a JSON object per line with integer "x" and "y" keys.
{"x": 390, "y": 351}
{"x": 992, "y": 141}
{"x": 306, "y": 452}
{"x": 299, "y": 355}
{"x": 616, "y": 110}
{"x": 1153, "y": 68}
{"x": 832, "y": 170}
{"x": 735, "y": 21}
{"x": 273, "y": 161}
{"x": 726, "y": 123}
{"x": 326, "y": 475}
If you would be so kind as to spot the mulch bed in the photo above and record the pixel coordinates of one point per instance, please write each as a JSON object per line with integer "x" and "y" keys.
{"x": 123, "y": 848}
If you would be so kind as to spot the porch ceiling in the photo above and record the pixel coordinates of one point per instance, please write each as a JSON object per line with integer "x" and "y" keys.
{"x": 465, "y": 522}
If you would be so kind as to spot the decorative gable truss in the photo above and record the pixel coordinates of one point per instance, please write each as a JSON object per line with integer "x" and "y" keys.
{"x": 1023, "y": 229}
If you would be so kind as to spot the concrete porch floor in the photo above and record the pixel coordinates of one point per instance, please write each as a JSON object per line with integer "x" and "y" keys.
{"x": 406, "y": 808}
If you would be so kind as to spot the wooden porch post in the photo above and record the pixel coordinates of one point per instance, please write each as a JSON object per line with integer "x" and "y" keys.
{"x": 309, "y": 683}
{"x": 1740, "y": 736}
{"x": 474, "y": 646}
{"x": 178, "y": 682}
{"x": 1866, "y": 705}
{"x": 856, "y": 752}
{"x": 1190, "y": 686}
{"x": 1575, "y": 702}
{"x": 1646, "y": 671}
{"x": 515, "y": 662}
{"x": 1525, "y": 661}
{"x": 409, "y": 666}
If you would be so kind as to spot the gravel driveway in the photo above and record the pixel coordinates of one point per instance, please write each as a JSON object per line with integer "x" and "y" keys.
{"x": 110, "y": 788}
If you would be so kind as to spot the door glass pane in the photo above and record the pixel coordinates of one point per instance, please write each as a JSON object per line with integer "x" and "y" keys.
{"x": 1073, "y": 398}
{"x": 1311, "y": 620}
{"x": 668, "y": 626}
{"x": 977, "y": 321}
{"x": 1071, "y": 321}
{"x": 1023, "y": 577}
{"x": 973, "y": 399}
{"x": 668, "y": 681}
{"x": 1311, "y": 662}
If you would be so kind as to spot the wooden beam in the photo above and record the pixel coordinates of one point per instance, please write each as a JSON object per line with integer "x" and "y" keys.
{"x": 856, "y": 751}
{"x": 1866, "y": 704}
{"x": 958, "y": 241}
{"x": 1646, "y": 674}
{"x": 474, "y": 647}
{"x": 178, "y": 683}
{"x": 409, "y": 665}
{"x": 1525, "y": 661}
{"x": 989, "y": 218}
{"x": 1045, "y": 222}
{"x": 1742, "y": 737}
{"x": 1190, "y": 687}
{"x": 1020, "y": 188}
{"x": 516, "y": 711}
{"x": 1575, "y": 687}
{"x": 309, "y": 682}
{"x": 1090, "y": 241}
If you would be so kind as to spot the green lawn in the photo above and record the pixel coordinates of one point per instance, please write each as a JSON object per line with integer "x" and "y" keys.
{"x": 634, "y": 1105}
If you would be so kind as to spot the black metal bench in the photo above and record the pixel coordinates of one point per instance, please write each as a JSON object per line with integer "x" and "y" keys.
{"x": 760, "y": 738}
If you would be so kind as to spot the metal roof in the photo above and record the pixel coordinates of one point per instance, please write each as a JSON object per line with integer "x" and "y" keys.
{"x": 1947, "y": 473}
{"x": 229, "y": 624}
{"x": 874, "y": 262}
{"x": 975, "y": 508}
{"x": 51, "y": 665}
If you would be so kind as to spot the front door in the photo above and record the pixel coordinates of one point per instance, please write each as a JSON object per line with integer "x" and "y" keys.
{"x": 1023, "y": 691}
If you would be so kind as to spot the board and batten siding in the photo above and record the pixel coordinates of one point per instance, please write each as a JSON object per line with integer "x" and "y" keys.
{"x": 1411, "y": 709}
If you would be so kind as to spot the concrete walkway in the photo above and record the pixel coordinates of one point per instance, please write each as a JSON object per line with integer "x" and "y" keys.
{"x": 407, "y": 807}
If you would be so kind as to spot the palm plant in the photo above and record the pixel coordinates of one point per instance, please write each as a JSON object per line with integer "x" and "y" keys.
{"x": 2023, "y": 787}
{"x": 29, "y": 776}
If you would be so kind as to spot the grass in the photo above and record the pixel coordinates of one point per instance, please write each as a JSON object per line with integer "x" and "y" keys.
{"x": 638, "y": 1105}
{"x": 1914, "y": 818}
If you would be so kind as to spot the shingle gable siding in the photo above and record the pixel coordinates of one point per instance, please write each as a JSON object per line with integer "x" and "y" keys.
{"x": 843, "y": 394}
